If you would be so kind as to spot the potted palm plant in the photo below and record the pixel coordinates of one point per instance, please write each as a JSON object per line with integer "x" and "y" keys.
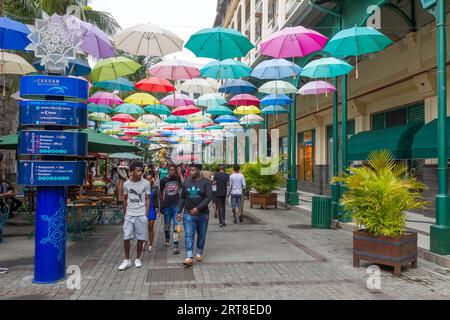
{"x": 264, "y": 180}
{"x": 377, "y": 196}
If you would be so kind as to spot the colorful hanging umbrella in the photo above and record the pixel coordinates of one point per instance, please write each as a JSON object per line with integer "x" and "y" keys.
{"x": 129, "y": 108}
{"x": 99, "y": 116}
{"x": 199, "y": 86}
{"x": 113, "y": 68}
{"x": 210, "y": 100}
{"x": 177, "y": 100}
{"x": 226, "y": 119}
{"x": 106, "y": 98}
{"x": 214, "y": 127}
{"x": 148, "y": 40}
{"x": 293, "y": 42}
{"x": 226, "y": 69}
{"x": 219, "y": 43}
{"x": 237, "y": 86}
{"x": 155, "y": 84}
{"x": 103, "y": 108}
{"x": 11, "y": 63}
{"x": 96, "y": 42}
{"x": 276, "y": 69}
{"x": 251, "y": 118}
{"x": 175, "y": 119}
{"x": 141, "y": 99}
{"x": 158, "y": 109}
{"x": 200, "y": 119}
{"x": 245, "y": 110}
{"x": 316, "y": 87}
{"x": 132, "y": 133}
{"x": 76, "y": 67}
{"x": 276, "y": 99}
{"x": 173, "y": 69}
{"x": 13, "y": 34}
{"x": 278, "y": 87}
{"x": 124, "y": 118}
{"x": 121, "y": 84}
{"x": 185, "y": 110}
{"x": 219, "y": 111}
{"x": 326, "y": 68}
{"x": 244, "y": 100}
{"x": 150, "y": 118}
{"x": 277, "y": 109}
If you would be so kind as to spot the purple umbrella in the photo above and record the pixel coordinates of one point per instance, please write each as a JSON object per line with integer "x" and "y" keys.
{"x": 107, "y": 98}
{"x": 177, "y": 100}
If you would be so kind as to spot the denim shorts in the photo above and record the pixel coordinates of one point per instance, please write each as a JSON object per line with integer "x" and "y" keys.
{"x": 236, "y": 201}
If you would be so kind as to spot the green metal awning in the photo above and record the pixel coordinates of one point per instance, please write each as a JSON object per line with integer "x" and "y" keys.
{"x": 426, "y": 141}
{"x": 396, "y": 139}
{"x": 9, "y": 142}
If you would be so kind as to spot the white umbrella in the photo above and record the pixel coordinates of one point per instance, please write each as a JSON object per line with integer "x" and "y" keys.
{"x": 13, "y": 64}
{"x": 251, "y": 118}
{"x": 174, "y": 69}
{"x": 200, "y": 86}
{"x": 149, "y": 118}
{"x": 278, "y": 87}
{"x": 148, "y": 40}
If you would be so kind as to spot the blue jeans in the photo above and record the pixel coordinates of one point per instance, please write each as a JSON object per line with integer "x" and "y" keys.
{"x": 171, "y": 214}
{"x": 194, "y": 224}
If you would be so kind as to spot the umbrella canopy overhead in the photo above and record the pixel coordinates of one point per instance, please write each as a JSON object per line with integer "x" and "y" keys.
{"x": 219, "y": 43}
{"x": 245, "y": 110}
{"x": 13, "y": 34}
{"x": 274, "y": 110}
{"x": 177, "y": 100}
{"x": 103, "y": 108}
{"x": 276, "y": 99}
{"x": 113, "y": 68}
{"x": 76, "y": 67}
{"x": 175, "y": 70}
{"x": 251, "y": 118}
{"x": 141, "y": 99}
{"x": 150, "y": 118}
{"x": 155, "y": 84}
{"x": 120, "y": 84}
{"x": 185, "y": 110}
{"x": 276, "y": 69}
{"x": 158, "y": 109}
{"x": 293, "y": 42}
{"x": 105, "y": 98}
{"x": 226, "y": 119}
{"x": 124, "y": 118}
{"x": 316, "y": 87}
{"x": 99, "y": 116}
{"x": 277, "y": 87}
{"x": 244, "y": 100}
{"x": 14, "y": 64}
{"x": 237, "y": 86}
{"x": 175, "y": 119}
{"x": 96, "y": 42}
{"x": 326, "y": 68}
{"x": 148, "y": 40}
{"x": 210, "y": 100}
{"x": 226, "y": 69}
{"x": 199, "y": 86}
{"x": 219, "y": 111}
{"x": 129, "y": 108}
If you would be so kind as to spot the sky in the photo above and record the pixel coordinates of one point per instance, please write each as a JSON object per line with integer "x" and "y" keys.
{"x": 182, "y": 17}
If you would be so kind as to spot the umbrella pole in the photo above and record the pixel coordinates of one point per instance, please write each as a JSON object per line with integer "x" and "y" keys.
{"x": 3, "y": 72}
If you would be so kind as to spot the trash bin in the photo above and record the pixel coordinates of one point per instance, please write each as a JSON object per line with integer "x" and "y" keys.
{"x": 321, "y": 212}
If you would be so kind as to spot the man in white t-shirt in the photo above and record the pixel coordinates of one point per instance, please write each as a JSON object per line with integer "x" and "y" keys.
{"x": 135, "y": 210}
{"x": 237, "y": 187}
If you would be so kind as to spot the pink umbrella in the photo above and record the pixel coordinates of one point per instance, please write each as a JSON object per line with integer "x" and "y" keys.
{"x": 124, "y": 118}
{"x": 107, "y": 98}
{"x": 244, "y": 100}
{"x": 177, "y": 100}
{"x": 293, "y": 42}
{"x": 175, "y": 70}
{"x": 316, "y": 87}
{"x": 185, "y": 110}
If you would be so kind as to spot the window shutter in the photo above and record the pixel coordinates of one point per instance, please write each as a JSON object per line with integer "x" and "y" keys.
{"x": 378, "y": 121}
{"x": 416, "y": 114}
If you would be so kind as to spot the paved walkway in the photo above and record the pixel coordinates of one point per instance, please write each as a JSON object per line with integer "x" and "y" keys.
{"x": 273, "y": 255}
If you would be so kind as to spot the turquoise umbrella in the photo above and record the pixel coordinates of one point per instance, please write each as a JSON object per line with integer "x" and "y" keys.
{"x": 357, "y": 41}
{"x": 219, "y": 43}
{"x": 326, "y": 68}
{"x": 129, "y": 108}
{"x": 175, "y": 119}
{"x": 214, "y": 127}
{"x": 226, "y": 69}
{"x": 103, "y": 108}
{"x": 210, "y": 100}
{"x": 158, "y": 109}
{"x": 120, "y": 84}
{"x": 273, "y": 110}
{"x": 219, "y": 111}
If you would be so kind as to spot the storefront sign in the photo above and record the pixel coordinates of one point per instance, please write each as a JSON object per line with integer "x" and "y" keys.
{"x": 51, "y": 173}
{"x": 62, "y": 113}
{"x": 43, "y": 142}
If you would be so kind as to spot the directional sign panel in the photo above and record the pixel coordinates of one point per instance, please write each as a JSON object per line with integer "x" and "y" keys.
{"x": 44, "y": 142}
{"x": 51, "y": 173}
{"x": 44, "y": 113}
{"x": 57, "y": 86}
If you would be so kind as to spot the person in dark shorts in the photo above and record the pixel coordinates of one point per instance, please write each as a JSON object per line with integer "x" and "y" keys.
{"x": 221, "y": 182}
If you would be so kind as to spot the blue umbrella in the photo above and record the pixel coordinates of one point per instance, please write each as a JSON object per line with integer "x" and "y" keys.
{"x": 279, "y": 100}
{"x": 121, "y": 84}
{"x": 93, "y": 107}
{"x": 226, "y": 119}
{"x": 237, "y": 86}
{"x": 76, "y": 67}
{"x": 13, "y": 34}
{"x": 275, "y": 69}
{"x": 273, "y": 110}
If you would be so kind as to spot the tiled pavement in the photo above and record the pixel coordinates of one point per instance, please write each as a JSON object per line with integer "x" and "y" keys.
{"x": 273, "y": 255}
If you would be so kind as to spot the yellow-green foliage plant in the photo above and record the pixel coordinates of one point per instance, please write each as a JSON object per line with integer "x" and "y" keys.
{"x": 255, "y": 178}
{"x": 380, "y": 192}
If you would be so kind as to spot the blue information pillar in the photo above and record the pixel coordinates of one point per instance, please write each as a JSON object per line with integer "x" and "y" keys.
{"x": 49, "y": 170}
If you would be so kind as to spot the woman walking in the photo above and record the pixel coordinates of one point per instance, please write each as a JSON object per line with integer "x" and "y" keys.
{"x": 154, "y": 212}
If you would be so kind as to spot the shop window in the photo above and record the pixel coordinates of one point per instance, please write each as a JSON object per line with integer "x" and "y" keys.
{"x": 400, "y": 116}
{"x": 306, "y": 156}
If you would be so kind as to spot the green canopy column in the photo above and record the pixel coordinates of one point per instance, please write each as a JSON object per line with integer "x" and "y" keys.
{"x": 440, "y": 232}
{"x": 235, "y": 152}
{"x": 247, "y": 145}
{"x": 335, "y": 187}
{"x": 342, "y": 216}
{"x": 291, "y": 190}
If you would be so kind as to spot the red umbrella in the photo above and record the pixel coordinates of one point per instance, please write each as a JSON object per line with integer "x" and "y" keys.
{"x": 124, "y": 118}
{"x": 244, "y": 100}
{"x": 185, "y": 110}
{"x": 155, "y": 84}
{"x": 132, "y": 133}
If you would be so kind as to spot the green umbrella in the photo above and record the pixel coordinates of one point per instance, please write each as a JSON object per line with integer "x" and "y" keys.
{"x": 113, "y": 68}
{"x": 129, "y": 108}
{"x": 278, "y": 87}
{"x": 9, "y": 142}
{"x": 219, "y": 43}
{"x": 101, "y": 108}
{"x": 219, "y": 111}
{"x": 226, "y": 69}
{"x": 120, "y": 84}
{"x": 124, "y": 155}
{"x": 158, "y": 109}
{"x": 99, "y": 116}
{"x": 210, "y": 100}
{"x": 357, "y": 41}
{"x": 214, "y": 127}
{"x": 175, "y": 119}
{"x": 326, "y": 68}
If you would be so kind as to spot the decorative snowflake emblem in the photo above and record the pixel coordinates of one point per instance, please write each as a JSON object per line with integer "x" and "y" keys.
{"x": 56, "y": 232}
{"x": 55, "y": 41}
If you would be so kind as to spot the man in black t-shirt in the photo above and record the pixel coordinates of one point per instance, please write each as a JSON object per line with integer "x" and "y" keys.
{"x": 221, "y": 181}
{"x": 170, "y": 188}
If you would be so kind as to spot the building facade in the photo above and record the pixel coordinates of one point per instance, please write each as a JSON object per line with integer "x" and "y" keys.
{"x": 395, "y": 90}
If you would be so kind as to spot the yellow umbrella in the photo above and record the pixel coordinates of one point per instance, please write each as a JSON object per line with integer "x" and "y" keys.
{"x": 142, "y": 99}
{"x": 99, "y": 116}
{"x": 244, "y": 110}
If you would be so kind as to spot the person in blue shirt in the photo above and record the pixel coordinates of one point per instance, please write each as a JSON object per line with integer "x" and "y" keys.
{"x": 154, "y": 212}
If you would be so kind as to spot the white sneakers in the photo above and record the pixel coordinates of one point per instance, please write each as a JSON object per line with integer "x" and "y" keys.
{"x": 137, "y": 263}
{"x": 125, "y": 264}
{"x": 149, "y": 248}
